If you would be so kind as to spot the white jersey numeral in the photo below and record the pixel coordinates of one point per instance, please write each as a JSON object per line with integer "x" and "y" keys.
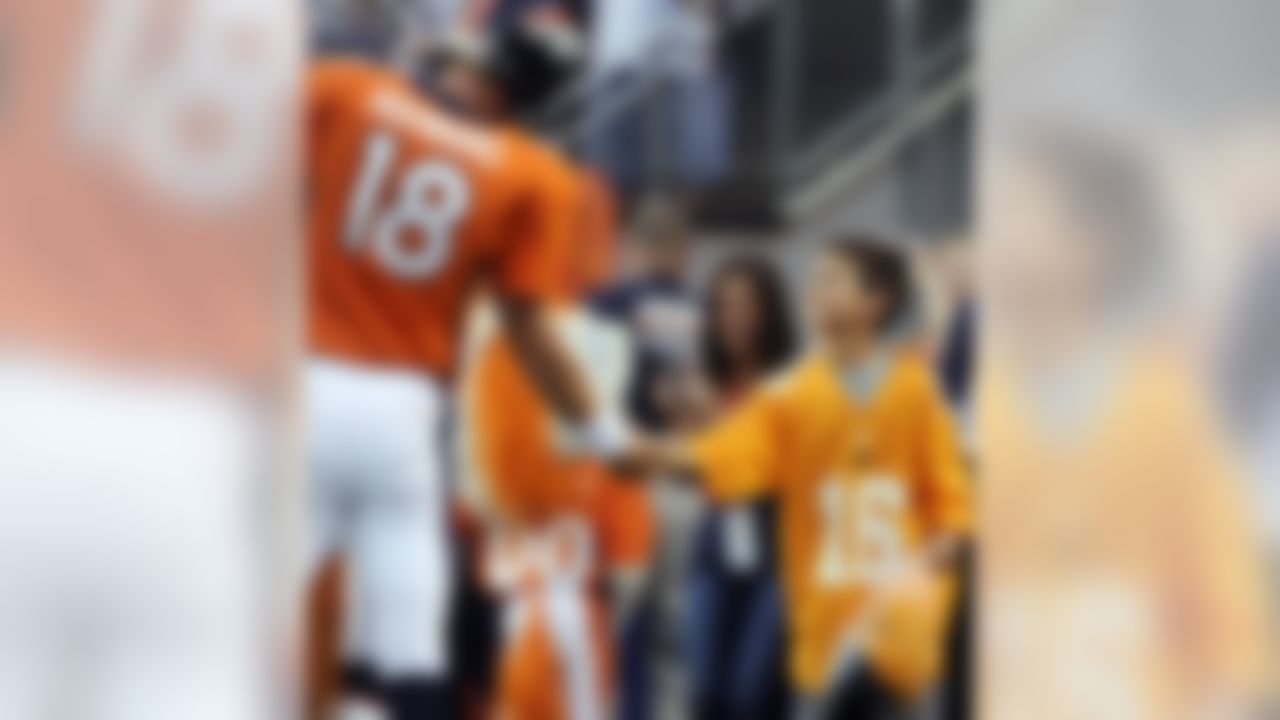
{"x": 432, "y": 199}
{"x": 861, "y": 530}
{"x": 146, "y": 106}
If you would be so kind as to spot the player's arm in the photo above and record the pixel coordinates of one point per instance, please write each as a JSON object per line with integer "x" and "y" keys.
{"x": 533, "y": 277}
{"x": 531, "y": 330}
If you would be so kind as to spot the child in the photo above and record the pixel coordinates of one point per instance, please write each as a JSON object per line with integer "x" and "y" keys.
{"x": 855, "y": 444}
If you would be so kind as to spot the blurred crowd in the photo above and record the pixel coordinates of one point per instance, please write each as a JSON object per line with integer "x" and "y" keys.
{"x": 656, "y": 93}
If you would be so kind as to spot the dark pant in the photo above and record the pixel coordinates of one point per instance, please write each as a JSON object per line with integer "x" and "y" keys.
{"x": 859, "y": 697}
{"x": 734, "y": 636}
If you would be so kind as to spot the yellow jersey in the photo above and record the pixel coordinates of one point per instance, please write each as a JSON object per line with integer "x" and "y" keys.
{"x": 862, "y": 484}
{"x": 1118, "y": 579}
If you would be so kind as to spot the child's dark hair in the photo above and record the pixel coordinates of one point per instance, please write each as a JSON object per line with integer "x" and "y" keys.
{"x": 883, "y": 266}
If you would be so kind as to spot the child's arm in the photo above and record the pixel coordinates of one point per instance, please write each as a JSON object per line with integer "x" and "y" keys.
{"x": 651, "y": 455}
{"x": 734, "y": 459}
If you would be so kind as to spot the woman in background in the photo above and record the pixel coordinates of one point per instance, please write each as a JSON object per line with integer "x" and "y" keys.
{"x": 735, "y": 649}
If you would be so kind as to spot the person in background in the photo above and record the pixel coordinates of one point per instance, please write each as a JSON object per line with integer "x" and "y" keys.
{"x": 390, "y": 31}
{"x": 625, "y": 37}
{"x": 1249, "y": 376}
{"x": 699, "y": 98}
{"x": 497, "y": 14}
{"x": 440, "y": 17}
{"x": 662, "y": 106}
{"x": 364, "y": 28}
{"x": 954, "y": 348}
{"x": 660, "y": 309}
{"x": 956, "y": 360}
{"x": 956, "y": 355}
{"x": 735, "y": 634}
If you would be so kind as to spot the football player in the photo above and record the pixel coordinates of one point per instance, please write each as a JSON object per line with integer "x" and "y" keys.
{"x": 416, "y": 199}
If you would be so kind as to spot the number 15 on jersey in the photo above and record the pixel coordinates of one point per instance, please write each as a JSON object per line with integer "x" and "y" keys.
{"x": 861, "y": 535}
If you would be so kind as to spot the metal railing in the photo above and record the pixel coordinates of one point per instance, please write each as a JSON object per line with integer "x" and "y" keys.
{"x": 813, "y": 82}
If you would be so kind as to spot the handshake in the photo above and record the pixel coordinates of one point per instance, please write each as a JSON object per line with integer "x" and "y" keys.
{"x": 630, "y": 452}
{"x": 684, "y": 397}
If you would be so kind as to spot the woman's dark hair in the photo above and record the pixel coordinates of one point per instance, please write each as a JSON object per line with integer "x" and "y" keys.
{"x": 774, "y": 342}
{"x": 883, "y": 266}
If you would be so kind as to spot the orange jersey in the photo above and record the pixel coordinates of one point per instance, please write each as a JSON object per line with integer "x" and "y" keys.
{"x": 124, "y": 238}
{"x": 596, "y": 263}
{"x": 861, "y": 486}
{"x": 411, "y": 208}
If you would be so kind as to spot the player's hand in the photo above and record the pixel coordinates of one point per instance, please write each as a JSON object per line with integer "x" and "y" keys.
{"x": 627, "y": 451}
{"x": 649, "y": 455}
{"x": 638, "y": 460}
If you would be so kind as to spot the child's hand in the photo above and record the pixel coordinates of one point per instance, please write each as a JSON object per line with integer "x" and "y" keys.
{"x": 687, "y": 398}
{"x": 910, "y": 576}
